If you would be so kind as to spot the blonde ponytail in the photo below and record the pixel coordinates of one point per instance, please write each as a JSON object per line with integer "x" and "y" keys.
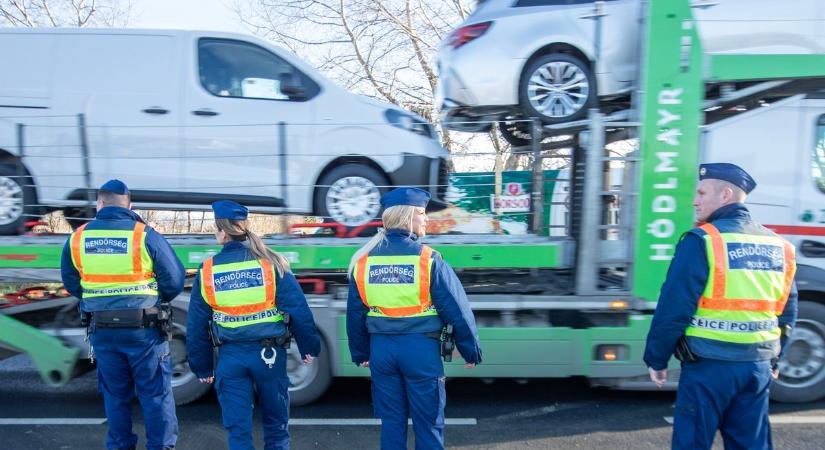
{"x": 376, "y": 240}
{"x": 238, "y": 230}
{"x": 393, "y": 217}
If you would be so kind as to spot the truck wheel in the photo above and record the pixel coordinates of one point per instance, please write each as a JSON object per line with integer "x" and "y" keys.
{"x": 557, "y": 88}
{"x": 802, "y": 368}
{"x": 350, "y": 194}
{"x": 185, "y": 385}
{"x": 307, "y": 382}
{"x": 16, "y": 200}
{"x": 77, "y": 216}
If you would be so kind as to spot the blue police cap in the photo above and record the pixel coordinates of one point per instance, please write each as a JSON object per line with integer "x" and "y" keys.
{"x": 405, "y": 196}
{"x": 728, "y": 172}
{"x": 227, "y": 209}
{"x": 115, "y": 187}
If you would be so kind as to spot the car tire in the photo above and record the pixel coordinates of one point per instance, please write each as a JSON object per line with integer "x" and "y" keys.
{"x": 802, "y": 368}
{"x": 307, "y": 382}
{"x": 350, "y": 194}
{"x": 77, "y": 216}
{"x": 516, "y": 133}
{"x": 186, "y": 387}
{"x": 557, "y": 69}
{"x": 16, "y": 200}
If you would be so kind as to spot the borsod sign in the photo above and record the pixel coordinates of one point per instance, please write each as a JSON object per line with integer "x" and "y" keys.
{"x": 512, "y": 199}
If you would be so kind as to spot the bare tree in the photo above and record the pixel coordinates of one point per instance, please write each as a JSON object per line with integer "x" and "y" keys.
{"x": 65, "y": 13}
{"x": 380, "y": 48}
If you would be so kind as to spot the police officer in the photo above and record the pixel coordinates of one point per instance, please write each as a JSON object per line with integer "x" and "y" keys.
{"x": 242, "y": 297}
{"x": 727, "y": 305}
{"x": 125, "y": 274}
{"x": 401, "y": 296}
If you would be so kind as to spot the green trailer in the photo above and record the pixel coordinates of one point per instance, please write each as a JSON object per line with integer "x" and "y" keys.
{"x": 577, "y": 303}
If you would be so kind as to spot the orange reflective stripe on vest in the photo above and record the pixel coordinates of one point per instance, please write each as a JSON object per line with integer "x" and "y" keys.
{"x": 720, "y": 265}
{"x": 269, "y": 286}
{"x": 137, "y": 262}
{"x": 790, "y": 271}
{"x": 423, "y": 289}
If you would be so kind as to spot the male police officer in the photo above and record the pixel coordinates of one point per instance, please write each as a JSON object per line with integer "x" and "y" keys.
{"x": 725, "y": 308}
{"x": 125, "y": 274}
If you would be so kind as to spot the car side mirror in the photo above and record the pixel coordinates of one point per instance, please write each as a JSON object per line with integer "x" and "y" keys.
{"x": 291, "y": 86}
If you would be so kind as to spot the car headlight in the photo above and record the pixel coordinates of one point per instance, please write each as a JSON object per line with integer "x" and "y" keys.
{"x": 409, "y": 122}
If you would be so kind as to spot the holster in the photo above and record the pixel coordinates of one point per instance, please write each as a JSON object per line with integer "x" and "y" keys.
{"x": 213, "y": 335}
{"x": 683, "y": 352}
{"x": 447, "y": 343}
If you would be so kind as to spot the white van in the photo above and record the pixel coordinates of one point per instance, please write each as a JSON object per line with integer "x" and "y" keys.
{"x": 187, "y": 117}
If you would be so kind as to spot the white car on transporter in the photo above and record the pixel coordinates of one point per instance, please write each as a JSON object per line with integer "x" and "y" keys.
{"x": 519, "y": 59}
{"x": 187, "y": 117}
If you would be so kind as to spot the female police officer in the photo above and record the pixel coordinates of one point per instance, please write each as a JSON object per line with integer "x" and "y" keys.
{"x": 401, "y": 295}
{"x": 242, "y": 295}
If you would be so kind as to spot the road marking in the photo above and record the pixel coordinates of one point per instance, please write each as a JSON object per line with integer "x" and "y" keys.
{"x": 798, "y": 419}
{"x": 784, "y": 419}
{"x": 372, "y": 422}
{"x": 52, "y": 421}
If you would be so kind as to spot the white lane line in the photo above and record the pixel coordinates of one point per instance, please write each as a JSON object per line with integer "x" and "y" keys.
{"x": 371, "y": 422}
{"x": 784, "y": 419}
{"x": 51, "y": 421}
{"x": 798, "y": 419}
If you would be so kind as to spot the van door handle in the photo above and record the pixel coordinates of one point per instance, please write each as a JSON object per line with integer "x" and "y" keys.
{"x": 812, "y": 249}
{"x": 703, "y": 4}
{"x": 205, "y": 112}
{"x": 155, "y": 110}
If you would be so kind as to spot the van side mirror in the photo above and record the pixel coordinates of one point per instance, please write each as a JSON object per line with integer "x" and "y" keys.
{"x": 291, "y": 86}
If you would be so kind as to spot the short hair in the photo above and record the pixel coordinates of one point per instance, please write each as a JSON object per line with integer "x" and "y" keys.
{"x": 738, "y": 193}
{"x": 111, "y": 199}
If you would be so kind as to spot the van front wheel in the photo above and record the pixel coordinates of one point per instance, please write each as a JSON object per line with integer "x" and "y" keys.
{"x": 350, "y": 194}
{"x": 16, "y": 199}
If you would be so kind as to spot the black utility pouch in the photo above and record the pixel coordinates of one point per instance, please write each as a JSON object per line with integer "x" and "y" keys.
{"x": 126, "y": 318}
{"x": 683, "y": 352}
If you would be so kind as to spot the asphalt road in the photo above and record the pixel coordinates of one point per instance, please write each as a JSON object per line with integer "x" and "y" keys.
{"x": 541, "y": 414}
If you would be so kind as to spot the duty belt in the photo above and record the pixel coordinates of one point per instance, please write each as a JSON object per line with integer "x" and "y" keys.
{"x": 128, "y": 318}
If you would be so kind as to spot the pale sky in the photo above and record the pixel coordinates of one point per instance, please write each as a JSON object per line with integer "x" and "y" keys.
{"x": 212, "y": 15}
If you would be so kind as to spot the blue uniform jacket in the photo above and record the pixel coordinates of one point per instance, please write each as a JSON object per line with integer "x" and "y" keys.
{"x": 168, "y": 269}
{"x": 684, "y": 285}
{"x": 447, "y": 295}
{"x": 289, "y": 298}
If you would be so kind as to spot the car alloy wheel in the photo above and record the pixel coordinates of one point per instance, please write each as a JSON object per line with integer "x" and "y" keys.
{"x": 353, "y": 200}
{"x": 558, "y": 89}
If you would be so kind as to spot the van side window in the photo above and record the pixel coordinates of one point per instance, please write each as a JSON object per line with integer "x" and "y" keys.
{"x": 818, "y": 163}
{"x": 229, "y": 68}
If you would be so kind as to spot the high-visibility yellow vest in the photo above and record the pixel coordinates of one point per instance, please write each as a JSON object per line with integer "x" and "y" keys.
{"x": 396, "y": 286}
{"x": 241, "y": 293}
{"x": 113, "y": 263}
{"x": 748, "y": 285}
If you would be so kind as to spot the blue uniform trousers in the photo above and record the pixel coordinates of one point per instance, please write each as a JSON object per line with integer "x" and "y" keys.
{"x": 725, "y": 395}
{"x": 133, "y": 360}
{"x": 240, "y": 367}
{"x": 408, "y": 380}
